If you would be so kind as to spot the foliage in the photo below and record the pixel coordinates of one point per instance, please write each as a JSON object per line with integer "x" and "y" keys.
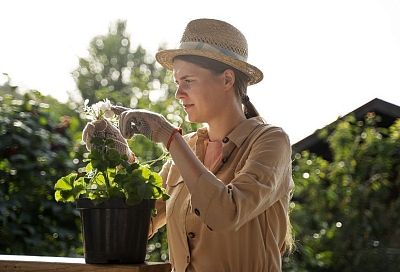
{"x": 107, "y": 69}
{"x": 6, "y": 87}
{"x": 157, "y": 247}
{"x": 345, "y": 212}
{"x": 35, "y": 148}
{"x": 108, "y": 175}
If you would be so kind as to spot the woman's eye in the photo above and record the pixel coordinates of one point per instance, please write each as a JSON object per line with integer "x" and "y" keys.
{"x": 184, "y": 83}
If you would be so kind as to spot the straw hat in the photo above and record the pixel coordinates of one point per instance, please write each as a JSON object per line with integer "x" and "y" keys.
{"x": 216, "y": 40}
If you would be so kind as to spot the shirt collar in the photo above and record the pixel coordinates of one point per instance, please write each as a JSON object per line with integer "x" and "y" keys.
{"x": 238, "y": 135}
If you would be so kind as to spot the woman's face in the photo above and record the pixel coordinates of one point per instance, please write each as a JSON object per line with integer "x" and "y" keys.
{"x": 200, "y": 91}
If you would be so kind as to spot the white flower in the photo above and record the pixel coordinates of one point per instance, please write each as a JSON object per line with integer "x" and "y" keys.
{"x": 104, "y": 105}
{"x": 108, "y": 114}
{"x": 99, "y": 110}
{"x": 95, "y": 109}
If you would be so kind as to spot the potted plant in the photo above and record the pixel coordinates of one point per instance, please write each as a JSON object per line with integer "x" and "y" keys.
{"x": 114, "y": 193}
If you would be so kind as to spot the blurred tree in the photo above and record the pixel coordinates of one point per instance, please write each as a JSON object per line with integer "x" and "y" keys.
{"x": 6, "y": 87}
{"x": 35, "y": 149}
{"x": 345, "y": 212}
{"x": 106, "y": 72}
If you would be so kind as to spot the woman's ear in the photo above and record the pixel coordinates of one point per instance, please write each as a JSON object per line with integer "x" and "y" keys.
{"x": 229, "y": 78}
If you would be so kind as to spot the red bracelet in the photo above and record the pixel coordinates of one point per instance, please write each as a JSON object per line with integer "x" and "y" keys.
{"x": 176, "y": 130}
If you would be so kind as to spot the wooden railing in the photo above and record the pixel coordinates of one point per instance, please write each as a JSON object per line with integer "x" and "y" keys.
{"x": 24, "y": 263}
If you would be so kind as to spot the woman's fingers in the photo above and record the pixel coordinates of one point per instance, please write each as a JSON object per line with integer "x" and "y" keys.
{"x": 123, "y": 125}
{"x": 119, "y": 109}
{"x": 133, "y": 122}
{"x": 127, "y": 124}
{"x": 87, "y": 135}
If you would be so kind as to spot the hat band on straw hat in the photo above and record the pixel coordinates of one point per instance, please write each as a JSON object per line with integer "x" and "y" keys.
{"x": 211, "y": 48}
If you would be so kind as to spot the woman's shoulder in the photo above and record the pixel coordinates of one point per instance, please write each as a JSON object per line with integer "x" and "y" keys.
{"x": 269, "y": 131}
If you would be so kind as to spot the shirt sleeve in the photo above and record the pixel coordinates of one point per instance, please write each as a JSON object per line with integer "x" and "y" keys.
{"x": 264, "y": 179}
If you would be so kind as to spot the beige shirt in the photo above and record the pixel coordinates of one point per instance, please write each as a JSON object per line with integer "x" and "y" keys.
{"x": 236, "y": 218}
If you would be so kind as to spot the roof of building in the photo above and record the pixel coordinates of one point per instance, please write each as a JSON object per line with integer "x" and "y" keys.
{"x": 387, "y": 111}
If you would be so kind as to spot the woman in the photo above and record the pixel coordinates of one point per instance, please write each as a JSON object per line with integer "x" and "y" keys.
{"x": 230, "y": 182}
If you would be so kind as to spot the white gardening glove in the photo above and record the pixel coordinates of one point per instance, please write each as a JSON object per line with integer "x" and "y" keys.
{"x": 152, "y": 125}
{"x": 105, "y": 130}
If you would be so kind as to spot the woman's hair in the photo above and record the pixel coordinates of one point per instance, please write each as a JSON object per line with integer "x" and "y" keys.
{"x": 241, "y": 80}
{"x": 289, "y": 245}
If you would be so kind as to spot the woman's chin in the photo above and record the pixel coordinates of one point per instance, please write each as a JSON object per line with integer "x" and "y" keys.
{"x": 192, "y": 119}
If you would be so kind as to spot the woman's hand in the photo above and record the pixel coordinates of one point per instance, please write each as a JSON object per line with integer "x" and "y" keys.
{"x": 105, "y": 130}
{"x": 157, "y": 128}
{"x": 87, "y": 135}
{"x": 152, "y": 125}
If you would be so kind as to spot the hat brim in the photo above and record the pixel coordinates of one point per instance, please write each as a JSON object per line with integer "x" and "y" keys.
{"x": 166, "y": 57}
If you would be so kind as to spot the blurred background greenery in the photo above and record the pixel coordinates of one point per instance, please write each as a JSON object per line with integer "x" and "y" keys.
{"x": 344, "y": 209}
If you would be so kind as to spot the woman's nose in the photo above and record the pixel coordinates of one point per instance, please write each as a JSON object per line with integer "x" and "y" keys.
{"x": 178, "y": 92}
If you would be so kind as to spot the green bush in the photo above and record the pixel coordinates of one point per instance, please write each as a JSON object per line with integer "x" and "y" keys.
{"x": 346, "y": 212}
{"x": 35, "y": 150}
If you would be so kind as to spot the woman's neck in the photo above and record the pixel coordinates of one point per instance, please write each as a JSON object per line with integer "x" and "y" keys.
{"x": 223, "y": 125}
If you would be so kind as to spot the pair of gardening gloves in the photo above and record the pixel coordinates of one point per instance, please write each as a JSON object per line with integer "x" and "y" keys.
{"x": 152, "y": 125}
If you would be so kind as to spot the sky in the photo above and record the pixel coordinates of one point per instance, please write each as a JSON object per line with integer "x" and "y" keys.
{"x": 321, "y": 59}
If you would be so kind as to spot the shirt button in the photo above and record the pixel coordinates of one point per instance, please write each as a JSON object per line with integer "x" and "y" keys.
{"x": 225, "y": 140}
{"x": 197, "y": 212}
{"x": 191, "y": 235}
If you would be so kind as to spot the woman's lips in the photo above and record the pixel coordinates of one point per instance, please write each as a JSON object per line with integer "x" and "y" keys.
{"x": 187, "y": 106}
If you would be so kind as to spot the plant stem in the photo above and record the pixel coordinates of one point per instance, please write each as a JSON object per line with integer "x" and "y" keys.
{"x": 162, "y": 157}
{"x": 107, "y": 182}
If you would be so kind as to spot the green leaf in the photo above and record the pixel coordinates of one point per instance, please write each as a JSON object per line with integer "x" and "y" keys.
{"x": 67, "y": 196}
{"x": 145, "y": 172}
{"x": 89, "y": 167}
{"x": 113, "y": 157}
{"x": 65, "y": 183}
{"x": 57, "y": 196}
{"x": 155, "y": 179}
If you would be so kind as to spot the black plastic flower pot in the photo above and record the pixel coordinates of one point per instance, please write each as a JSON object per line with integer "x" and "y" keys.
{"x": 114, "y": 232}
